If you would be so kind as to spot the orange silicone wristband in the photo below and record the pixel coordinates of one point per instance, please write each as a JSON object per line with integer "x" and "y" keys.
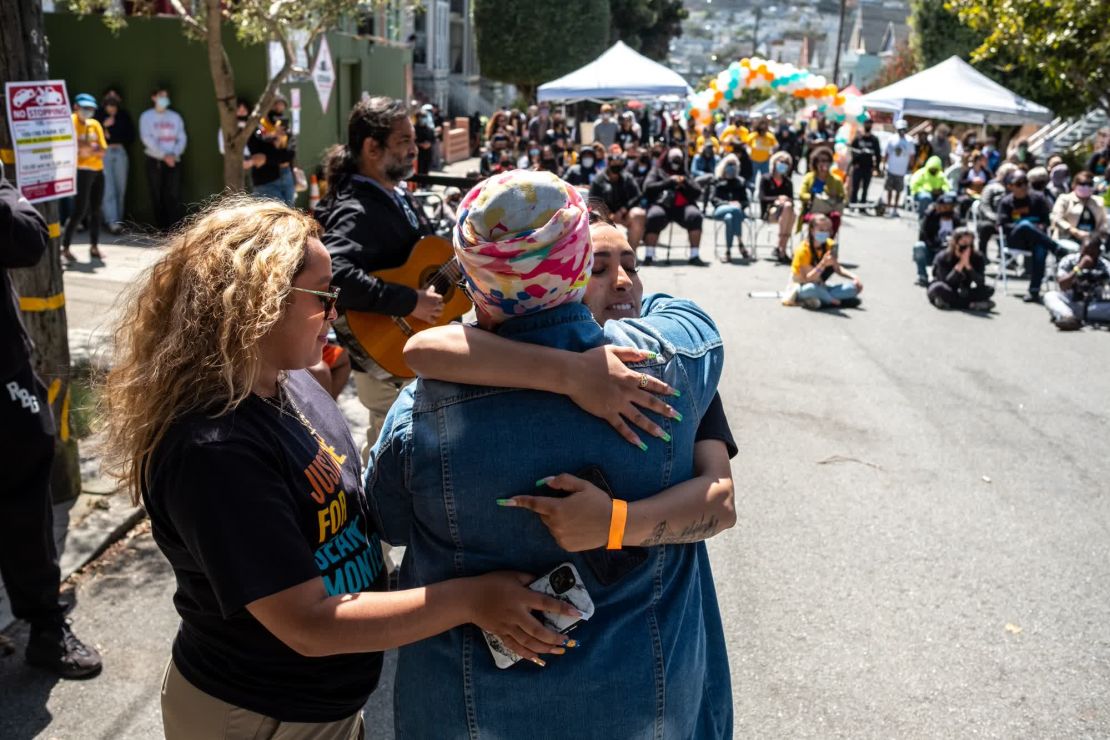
{"x": 616, "y": 524}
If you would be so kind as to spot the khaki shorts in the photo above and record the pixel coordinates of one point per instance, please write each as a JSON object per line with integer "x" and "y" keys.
{"x": 190, "y": 714}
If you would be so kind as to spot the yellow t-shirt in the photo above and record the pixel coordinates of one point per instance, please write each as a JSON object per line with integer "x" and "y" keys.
{"x": 702, "y": 142}
{"x": 90, "y": 132}
{"x": 804, "y": 258}
{"x": 762, "y": 146}
{"x": 740, "y": 132}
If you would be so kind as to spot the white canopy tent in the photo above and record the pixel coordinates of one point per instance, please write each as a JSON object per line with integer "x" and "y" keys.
{"x": 620, "y": 72}
{"x": 955, "y": 91}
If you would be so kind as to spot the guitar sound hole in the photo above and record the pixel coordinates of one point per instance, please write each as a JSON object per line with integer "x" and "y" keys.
{"x": 442, "y": 285}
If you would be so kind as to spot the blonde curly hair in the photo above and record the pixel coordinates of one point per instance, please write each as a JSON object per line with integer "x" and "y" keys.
{"x": 189, "y": 332}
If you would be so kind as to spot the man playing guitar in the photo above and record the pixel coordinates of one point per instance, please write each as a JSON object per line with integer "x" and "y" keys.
{"x": 370, "y": 223}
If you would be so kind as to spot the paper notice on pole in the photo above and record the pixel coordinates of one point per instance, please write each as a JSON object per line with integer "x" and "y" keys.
{"x": 43, "y": 138}
{"x": 295, "y": 109}
{"x": 323, "y": 74}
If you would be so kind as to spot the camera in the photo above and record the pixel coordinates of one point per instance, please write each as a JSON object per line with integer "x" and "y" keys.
{"x": 562, "y": 580}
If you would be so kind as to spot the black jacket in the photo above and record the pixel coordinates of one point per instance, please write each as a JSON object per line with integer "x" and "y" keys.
{"x": 275, "y": 156}
{"x": 866, "y": 150}
{"x": 726, "y": 190}
{"x": 624, "y": 193}
{"x": 660, "y": 189}
{"x": 929, "y": 231}
{"x": 122, "y": 130}
{"x": 23, "y": 240}
{"x": 944, "y": 270}
{"x": 1033, "y": 207}
{"x": 366, "y": 230}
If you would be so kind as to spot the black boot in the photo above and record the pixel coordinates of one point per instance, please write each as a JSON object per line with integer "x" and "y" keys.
{"x": 55, "y": 648}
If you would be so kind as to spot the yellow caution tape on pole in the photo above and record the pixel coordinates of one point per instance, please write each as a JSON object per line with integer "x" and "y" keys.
{"x": 55, "y": 230}
{"x": 64, "y": 431}
{"x": 30, "y": 304}
{"x": 52, "y": 391}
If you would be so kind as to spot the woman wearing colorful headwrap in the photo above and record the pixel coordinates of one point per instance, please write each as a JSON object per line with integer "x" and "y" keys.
{"x": 498, "y": 441}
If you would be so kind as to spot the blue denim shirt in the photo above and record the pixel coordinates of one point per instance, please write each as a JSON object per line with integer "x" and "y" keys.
{"x": 652, "y": 662}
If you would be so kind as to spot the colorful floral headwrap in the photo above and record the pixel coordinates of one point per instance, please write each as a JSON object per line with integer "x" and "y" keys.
{"x": 523, "y": 240}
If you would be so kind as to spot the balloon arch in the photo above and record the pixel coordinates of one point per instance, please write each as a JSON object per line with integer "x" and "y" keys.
{"x": 780, "y": 77}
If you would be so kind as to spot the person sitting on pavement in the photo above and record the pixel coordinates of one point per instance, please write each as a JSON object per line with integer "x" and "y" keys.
{"x": 815, "y": 261}
{"x": 491, "y": 159}
{"x": 705, "y": 164}
{"x": 822, "y": 192}
{"x": 928, "y": 183}
{"x": 617, "y": 189}
{"x": 989, "y": 199}
{"x": 958, "y": 275}
{"x": 1024, "y": 216}
{"x": 1083, "y": 281}
{"x": 674, "y": 197}
{"x": 729, "y": 198}
{"x": 941, "y": 219}
{"x": 548, "y": 162}
{"x": 776, "y": 200}
{"x": 580, "y": 175}
{"x": 1078, "y": 214}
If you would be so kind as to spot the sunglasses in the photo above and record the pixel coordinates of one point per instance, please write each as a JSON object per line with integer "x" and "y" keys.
{"x": 327, "y": 300}
{"x": 963, "y": 246}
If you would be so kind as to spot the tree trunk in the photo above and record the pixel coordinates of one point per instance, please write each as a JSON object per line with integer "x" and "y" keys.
{"x": 23, "y": 57}
{"x": 223, "y": 80}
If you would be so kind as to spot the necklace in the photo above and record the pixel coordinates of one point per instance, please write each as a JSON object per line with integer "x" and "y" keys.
{"x": 297, "y": 415}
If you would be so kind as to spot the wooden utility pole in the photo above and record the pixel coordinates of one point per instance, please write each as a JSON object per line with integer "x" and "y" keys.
{"x": 23, "y": 57}
{"x": 839, "y": 37}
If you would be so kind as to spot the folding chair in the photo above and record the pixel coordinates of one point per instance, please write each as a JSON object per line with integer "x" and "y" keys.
{"x": 1008, "y": 256}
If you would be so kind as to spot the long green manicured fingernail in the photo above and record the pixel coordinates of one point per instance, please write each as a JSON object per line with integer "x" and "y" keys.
{"x": 504, "y": 502}
{"x": 677, "y": 393}
{"x": 677, "y": 416}
{"x": 665, "y": 437}
{"x": 643, "y": 446}
{"x": 651, "y": 355}
{"x": 544, "y": 481}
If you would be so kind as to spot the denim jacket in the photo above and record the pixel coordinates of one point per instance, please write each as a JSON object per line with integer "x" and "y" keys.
{"x": 652, "y": 662}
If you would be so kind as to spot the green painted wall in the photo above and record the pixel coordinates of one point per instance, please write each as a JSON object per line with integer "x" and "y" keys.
{"x": 152, "y": 51}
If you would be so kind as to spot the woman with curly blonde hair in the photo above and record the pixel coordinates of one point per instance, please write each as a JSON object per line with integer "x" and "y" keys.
{"x": 252, "y": 483}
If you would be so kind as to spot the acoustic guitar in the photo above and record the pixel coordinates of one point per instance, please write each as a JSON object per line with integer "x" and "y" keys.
{"x": 377, "y": 341}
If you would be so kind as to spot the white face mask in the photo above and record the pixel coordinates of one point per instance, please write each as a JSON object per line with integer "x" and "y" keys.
{"x": 162, "y": 102}
{"x": 820, "y": 237}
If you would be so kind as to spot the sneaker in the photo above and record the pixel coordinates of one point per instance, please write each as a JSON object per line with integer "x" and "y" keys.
{"x": 923, "y": 281}
{"x": 744, "y": 253}
{"x": 55, "y": 648}
{"x": 648, "y": 261}
{"x": 1031, "y": 298}
{"x": 726, "y": 258}
{"x": 981, "y": 305}
{"x": 849, "y": 302}
{"x": 697, "y": 262}
{"x": 1068, "y": 324}
{"x": 812, "y": 303}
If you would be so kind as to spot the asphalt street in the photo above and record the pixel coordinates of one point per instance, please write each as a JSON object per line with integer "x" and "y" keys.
{"x": 922, "y": 547}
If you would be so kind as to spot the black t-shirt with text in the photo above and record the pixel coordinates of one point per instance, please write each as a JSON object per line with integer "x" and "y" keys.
{"x": 246, "y": 505}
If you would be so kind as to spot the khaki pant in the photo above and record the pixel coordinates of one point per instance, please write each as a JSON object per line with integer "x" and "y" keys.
{"x": 378, "y": 397}
{"x": 190, "y": 714}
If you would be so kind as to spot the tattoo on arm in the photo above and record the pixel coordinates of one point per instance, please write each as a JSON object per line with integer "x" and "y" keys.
{"x": 662, "y": 534}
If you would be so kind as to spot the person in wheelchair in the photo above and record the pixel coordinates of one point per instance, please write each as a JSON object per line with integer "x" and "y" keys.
{"x": 776, "y": 200}
{"x": 822, "y": 192}
{"x": 958, "y": 275}
{"x": 1084, "y": 280}
{"x": 940, "y": 221}
{"x": 673, "y": 196}
{"x": 729, "y": 198}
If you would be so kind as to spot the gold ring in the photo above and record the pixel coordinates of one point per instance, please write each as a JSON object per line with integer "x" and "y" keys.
{"x": 643, "y": 381}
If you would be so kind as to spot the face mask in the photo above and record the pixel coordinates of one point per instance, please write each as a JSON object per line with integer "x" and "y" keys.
{"x": 676, "y": 164}
{"x": 1083, "y": 191}
{"x": 616, "y": 166}
{"x": 534, "y": 152}
{"x": 781, "y": 168}
{"x": 934, "y": 172}
{"x": 162, "y": 102}
{"x": 730, "y": 172}
{"x": 274, "y": 116}
{"x": 820, "y": 237}
{"x": 642, "y": 169}
{"x": 587, "y": 162}
{"x": 84, "y": 114}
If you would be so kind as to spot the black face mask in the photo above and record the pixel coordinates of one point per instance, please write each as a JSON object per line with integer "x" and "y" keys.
{"x": 244, "y": 119}
{"x": 675, "y": 165}
{"x": 274, "y": 116}
{"x": 645, "y": 160}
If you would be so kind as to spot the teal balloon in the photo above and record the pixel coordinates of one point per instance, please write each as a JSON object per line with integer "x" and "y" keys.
{"x": 729, "y": 94}
{"x": 861, "y": 117}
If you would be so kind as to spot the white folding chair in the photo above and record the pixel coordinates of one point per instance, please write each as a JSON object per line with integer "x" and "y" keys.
{"x": 1008, "y": 256}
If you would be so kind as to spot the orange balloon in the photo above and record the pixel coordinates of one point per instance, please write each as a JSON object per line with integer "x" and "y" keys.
{"x": 695, "y": 113}
{"x": 713, "y": 104}
{"x": 768, "y": 75}
{"x": 839, "y": 100}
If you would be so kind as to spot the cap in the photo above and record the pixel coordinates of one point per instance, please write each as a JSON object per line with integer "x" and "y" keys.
{"x": 85, "y": 100}
{"x": 1018, "y": 176}
{"x": 947, "y": 199}
{"x": 901, "y": 124}
{"x": 427, "y": 108}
